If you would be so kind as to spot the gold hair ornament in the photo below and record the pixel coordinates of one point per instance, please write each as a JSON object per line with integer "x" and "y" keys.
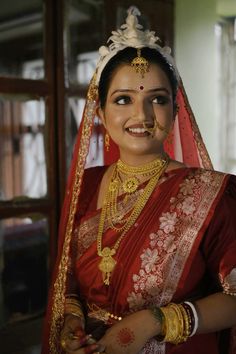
{"x": 132, "y": 34}
{"x": 140, "y": 64}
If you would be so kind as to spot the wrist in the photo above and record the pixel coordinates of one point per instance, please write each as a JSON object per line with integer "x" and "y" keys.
{"x": 73, "y": 307}
{"x": 154, "y": 325}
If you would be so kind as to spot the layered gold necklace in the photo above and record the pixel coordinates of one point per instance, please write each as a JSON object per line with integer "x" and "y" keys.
{"x": 127, "y": 186}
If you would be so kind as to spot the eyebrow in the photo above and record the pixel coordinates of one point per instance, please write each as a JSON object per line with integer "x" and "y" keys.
{"x": 156, "y": 89}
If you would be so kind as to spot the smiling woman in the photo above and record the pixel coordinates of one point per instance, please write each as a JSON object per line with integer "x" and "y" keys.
{"x": 130, "y": 114}
{"x": 142, "y": 238}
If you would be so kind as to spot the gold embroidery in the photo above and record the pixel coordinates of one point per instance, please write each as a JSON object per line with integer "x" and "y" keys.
{"x": 229, "y": 283}
{"x": 60, "y": 283}
{"x": 93, "y": 90}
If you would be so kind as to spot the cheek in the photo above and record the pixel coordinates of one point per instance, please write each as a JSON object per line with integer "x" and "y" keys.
{"x": 164, "y": 114}
{"x": 115, "y": 119}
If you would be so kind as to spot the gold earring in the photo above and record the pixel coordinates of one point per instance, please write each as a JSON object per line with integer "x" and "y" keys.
{"x": 107, "y": 142}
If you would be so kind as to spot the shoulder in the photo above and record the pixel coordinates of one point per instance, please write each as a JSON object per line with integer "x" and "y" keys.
{"x": 92, "y": 178}
{"x": 174, "y": 165}
{"x": 215, "y": 180}
{"x": 94, "y": 171}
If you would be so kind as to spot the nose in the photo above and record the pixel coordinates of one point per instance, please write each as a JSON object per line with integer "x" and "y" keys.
{"x": 144, "y": 112}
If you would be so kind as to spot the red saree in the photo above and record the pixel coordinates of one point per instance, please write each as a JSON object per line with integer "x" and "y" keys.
{"x": 128, "y": 294}
{"x": 166, "y": 256}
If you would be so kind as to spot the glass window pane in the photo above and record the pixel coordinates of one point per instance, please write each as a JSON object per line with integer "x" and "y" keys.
{"x": 22, "y": 148}
{"x": 21, "y": 39}
{"x": 74, "y": 111}
{"x": 23, "y": 267}
{"x": 84, "y": 25}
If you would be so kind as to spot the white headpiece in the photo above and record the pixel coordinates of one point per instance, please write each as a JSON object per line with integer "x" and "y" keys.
{"x": 131, "y": 34}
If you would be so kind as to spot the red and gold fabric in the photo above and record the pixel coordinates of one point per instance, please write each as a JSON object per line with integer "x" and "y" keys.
{"x": 188, "y": 215}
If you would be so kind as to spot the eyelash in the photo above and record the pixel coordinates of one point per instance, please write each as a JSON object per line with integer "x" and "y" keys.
{"x": 126, "y": 99}
{"x": 161, "y": 100}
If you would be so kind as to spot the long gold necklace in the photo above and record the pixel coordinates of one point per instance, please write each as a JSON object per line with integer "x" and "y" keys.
{"x": 107, "y": 263}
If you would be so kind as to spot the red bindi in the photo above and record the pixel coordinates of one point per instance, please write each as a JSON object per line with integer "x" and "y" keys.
{"x": 141, "y": 87}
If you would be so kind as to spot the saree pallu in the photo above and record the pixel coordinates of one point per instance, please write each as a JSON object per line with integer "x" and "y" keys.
{"x": 162, "y": 256}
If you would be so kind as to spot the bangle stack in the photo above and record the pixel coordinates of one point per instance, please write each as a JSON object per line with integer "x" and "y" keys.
{"x": 178, "y": 321}
{"x": 193, "y": 317}
{"x": 73, "y": 306}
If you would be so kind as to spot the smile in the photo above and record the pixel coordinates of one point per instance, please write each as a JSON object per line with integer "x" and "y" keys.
{"x": 137, "y": 132}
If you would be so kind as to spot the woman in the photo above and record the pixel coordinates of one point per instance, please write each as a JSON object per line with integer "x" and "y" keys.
{"x": 147, "y": 247}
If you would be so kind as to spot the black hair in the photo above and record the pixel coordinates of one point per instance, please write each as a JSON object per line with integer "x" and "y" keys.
{"x": 125, "y": 56}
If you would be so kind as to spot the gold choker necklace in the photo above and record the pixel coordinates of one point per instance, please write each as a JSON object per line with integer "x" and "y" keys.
{"x": 130, "y": 185}
{"x": 110, "y": 212}
{"x": 140, "y": 170}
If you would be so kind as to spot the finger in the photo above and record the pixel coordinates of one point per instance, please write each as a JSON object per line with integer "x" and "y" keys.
{"x": 93, "y": 348}
{"x": 77, "y": 342}
{"x": 79, "y": 332}
{"x": 101, "y": 349}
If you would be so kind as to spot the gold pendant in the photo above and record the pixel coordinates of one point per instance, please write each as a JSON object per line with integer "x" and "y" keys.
{"x": 107, "y": 264}
{"x": 130, "y": 185}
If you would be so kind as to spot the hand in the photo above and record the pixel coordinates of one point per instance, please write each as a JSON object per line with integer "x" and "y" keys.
{"x": 129, "y": 335}
{"x": 75, "y": 340}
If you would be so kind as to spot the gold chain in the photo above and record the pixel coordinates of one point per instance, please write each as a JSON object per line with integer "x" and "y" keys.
{"x": 129, "y": 186}
{"x": 140, "y": 170}
{"x": 107, "y": 263}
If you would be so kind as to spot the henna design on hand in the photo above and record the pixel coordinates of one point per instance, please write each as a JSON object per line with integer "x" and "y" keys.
{"x": 125, "y": 337}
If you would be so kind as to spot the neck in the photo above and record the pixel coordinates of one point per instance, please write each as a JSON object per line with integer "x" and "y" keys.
{"x": 139, "y": 160}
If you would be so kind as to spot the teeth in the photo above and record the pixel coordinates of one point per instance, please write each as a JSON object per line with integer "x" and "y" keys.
{"x": 137, "y": 130}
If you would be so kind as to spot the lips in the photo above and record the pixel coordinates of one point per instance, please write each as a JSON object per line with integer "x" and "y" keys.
{"x": 138, "y": 130}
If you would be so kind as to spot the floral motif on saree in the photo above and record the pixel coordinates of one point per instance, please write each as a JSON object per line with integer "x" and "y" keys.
{"x": 163, "y": 262}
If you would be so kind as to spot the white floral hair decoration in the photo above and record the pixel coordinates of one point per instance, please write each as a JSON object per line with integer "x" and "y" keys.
{"x": 131, "y": 34}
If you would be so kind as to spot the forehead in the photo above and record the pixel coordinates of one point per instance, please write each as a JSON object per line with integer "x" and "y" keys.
{"x": 125, "y": 76}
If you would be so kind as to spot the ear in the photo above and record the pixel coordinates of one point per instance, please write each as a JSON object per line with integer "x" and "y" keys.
{"x": 101, "y": 115}
{"x": 176, "y": 110}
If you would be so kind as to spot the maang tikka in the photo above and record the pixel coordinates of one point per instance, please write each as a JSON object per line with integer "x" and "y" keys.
{"x": 140, "y": 64}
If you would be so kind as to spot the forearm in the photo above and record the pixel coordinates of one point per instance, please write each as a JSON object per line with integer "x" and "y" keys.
{"x": 216, "y": 312}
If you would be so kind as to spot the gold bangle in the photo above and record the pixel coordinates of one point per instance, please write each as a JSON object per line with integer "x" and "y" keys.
{"x": 180, "y": 321}
{"x": 73, "y": 307}
{"x": 187, "y": 322}
{"x": 171, "y": 324}
{"x": 177, "y": 323}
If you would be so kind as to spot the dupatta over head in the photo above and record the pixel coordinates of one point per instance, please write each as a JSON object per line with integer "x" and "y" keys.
{"x": 185, "y": 144}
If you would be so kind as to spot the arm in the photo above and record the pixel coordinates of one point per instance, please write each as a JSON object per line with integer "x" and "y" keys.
{"x": 216, "y": 312}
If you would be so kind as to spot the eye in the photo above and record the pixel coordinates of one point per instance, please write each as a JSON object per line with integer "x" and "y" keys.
{"x": 122, "y": 100}
{"x": 161, "y": 99}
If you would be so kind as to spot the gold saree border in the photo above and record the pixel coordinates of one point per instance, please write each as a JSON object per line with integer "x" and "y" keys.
{"x": 58, "y": 300}
{"x": 192, "y": 232}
